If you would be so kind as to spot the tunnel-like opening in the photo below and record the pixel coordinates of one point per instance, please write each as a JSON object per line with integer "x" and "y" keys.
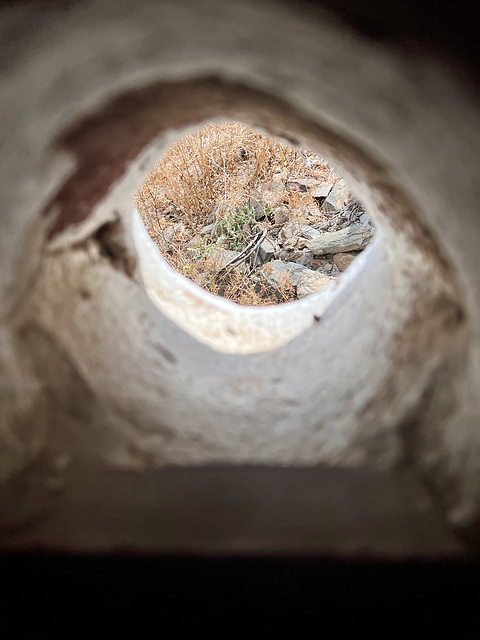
{"x": 252, "y": 220}
{"x": 375, "y": 377}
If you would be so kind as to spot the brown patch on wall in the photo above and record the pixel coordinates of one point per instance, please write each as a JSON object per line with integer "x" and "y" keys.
{"x": 110, "y": 238}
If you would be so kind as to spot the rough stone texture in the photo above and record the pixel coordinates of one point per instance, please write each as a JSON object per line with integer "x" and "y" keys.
{"x": 323, "y": 190}
{"x": 351, "y": 238}
{"x": 270, "y": 194}
{"x": 277, "y": 272}
{"x": 343, "y": 260}
{"x": 306, "y": 259}
{"x": 221, "y": 257}
{"x": 91, "y": 368}
{"x": 337, "y": 196}
{"x": 289, "y": 234}
{"x": 257, "y": 203}
{"x": 312, "y": 282}
{"x": 309, "y": 232}
{"x": 302, "y": 184}
{"x": 208, "y": 229}
{"x": 281, "y": 215}
{"x": 266, "y": 250}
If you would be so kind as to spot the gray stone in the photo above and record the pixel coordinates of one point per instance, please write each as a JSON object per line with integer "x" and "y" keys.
{"x": 283, "y": 254}
{"x": 289, "y": 234}
{"x": 352, "y": 238}
{"x": 276, "y": 272}
{"x": 343, "y": 260}
{"x": 303, "y": 184}
{"x": 209, "y": 229}
{"x": 270, "y": 194}
{"x": 266, "y": 250}
{"x": 281, "y": 215}
{"x": 365, "y": 219}
{"x": 323, "y": 190}
{"x": 337, "y": 196}
{"x": 221, "y": 257}
{"x": 257, "y": 203}
{"x": 312, "y": 282}
{"x": 306, "y": 259}
{"x": 296, "y": 255}
{"x": 323, "y": 226}
{"x": 309, "y": 232}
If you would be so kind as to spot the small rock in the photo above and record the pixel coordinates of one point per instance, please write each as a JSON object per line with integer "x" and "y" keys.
{"x": 257, "y": 203}
{"x": 365, "y": 219}
{"x": 352, "y": 238}
{"x": 221, "y": 257}
{"x": 283, "y": 254}
{"x": 312, "y": 282}
{"x": 306, "y": 259}
{"x": 323, "y": 190}
{"x": 275, "y": 272}
{"x": 295, "y": 256}
{"x": 289, "y": 234}
{"x": 328, "y": 267}
{"x": 303, "y": 184}
{"x": 209, "y": 229}
{"x": 309, "y": 232}
{"x": 266, "y": 250}
{"x": 337, "y": 196}
{"x": 281, "y": 215}
{"x": 343, "y": 260}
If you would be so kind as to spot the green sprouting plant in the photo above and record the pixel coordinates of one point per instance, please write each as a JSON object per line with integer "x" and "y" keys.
{"x": 236, "y": 228}
{"x": 203, "y": 249}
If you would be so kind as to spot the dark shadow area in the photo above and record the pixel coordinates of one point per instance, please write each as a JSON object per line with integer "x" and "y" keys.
{"x": 158, "y": 596}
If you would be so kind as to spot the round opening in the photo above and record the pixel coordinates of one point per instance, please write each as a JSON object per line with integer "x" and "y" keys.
{"x": 250, "y": 219}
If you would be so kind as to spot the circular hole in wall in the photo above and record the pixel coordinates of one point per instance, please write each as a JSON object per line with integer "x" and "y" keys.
{"x": 252, "y": 220}
{"x": 249, "y": 218}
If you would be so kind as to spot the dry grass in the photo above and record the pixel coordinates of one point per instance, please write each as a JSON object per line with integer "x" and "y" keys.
{"x": 202, "y": 178}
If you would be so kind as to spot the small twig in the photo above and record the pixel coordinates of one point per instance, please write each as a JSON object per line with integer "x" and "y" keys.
{"x": 247, "y": 252}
